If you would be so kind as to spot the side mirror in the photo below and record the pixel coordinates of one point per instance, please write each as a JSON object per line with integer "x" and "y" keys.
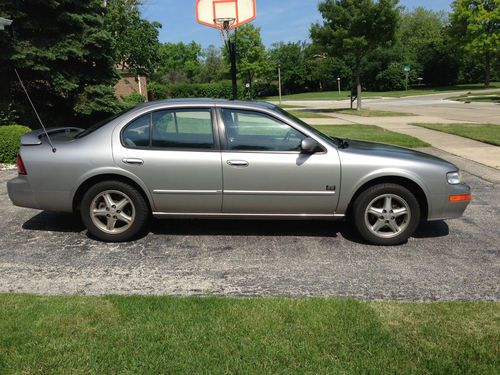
{"x": 309, "y": 146}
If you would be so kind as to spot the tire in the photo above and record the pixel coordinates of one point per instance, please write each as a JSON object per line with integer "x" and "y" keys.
{"x": 386, "y": 214}
{"x": 114, "y": 211}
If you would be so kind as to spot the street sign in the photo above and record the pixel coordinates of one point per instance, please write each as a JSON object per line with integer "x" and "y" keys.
{"x": 407, "y": 69}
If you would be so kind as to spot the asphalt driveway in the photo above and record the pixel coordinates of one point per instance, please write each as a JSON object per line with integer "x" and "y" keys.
{"x": 49, "y": 253}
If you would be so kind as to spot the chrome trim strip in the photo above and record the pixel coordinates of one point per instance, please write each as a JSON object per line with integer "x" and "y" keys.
{"x": 188, "y": 192}
{"x": 183, "y": 214}
{"x": 274, "y": 192}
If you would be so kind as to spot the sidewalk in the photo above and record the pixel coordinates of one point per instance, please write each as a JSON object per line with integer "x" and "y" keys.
{"x": 479, "y": 152}
{"x": 466, "y": 148}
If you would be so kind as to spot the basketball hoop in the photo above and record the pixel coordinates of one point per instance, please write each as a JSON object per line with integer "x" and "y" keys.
{"x": 224, "y": 25}
{"x": 237, "y": 12}
{"x": 227, "y": 15}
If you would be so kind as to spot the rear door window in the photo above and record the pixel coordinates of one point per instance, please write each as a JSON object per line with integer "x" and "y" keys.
{"x": 136, "y": 134}
{"x": 183, "y": 129}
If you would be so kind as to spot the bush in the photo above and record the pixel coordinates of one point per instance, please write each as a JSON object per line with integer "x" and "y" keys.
{"x": 218, "y": 90}
{"x": 8, "y": 114}
{"x": 264, "y": 89}
{"x": 392, "y": 78}
{"x": 132, "y": 100}
{"x": 10, "y": 138}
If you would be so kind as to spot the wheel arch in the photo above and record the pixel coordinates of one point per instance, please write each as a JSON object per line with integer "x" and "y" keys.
{"x": 92, "y": 180}
{"x": 406, "y": 182}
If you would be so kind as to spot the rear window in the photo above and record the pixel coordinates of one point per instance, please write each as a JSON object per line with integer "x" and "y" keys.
{"x": 100, "y": 124}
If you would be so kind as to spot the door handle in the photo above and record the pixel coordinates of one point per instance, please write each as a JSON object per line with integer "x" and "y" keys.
{"x": 133, "y": 161}
{"x": 238, "y": 163}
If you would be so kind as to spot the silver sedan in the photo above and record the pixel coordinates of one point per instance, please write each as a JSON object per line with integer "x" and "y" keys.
{"x": 221, "y": 159}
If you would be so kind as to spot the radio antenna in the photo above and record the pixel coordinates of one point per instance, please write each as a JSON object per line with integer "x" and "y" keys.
{"x": 34, "y": 109}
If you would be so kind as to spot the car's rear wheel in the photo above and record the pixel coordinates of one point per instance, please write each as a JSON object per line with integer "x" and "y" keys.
{"x": 114, "y": 211}
{"x": 386, "y": 214}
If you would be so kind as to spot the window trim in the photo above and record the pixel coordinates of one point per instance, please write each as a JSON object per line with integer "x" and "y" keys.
{"x": 211, "y": 110}
{"x": 223, "y": 134}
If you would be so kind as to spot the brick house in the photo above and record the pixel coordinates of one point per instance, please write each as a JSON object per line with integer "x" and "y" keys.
{"x": 131, "y": 83}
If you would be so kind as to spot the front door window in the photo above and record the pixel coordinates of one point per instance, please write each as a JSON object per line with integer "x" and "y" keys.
{"x": 252, "y": 131}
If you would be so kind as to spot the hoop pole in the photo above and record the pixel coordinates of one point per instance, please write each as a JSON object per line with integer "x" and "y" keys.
{"x": 231, "y": 45}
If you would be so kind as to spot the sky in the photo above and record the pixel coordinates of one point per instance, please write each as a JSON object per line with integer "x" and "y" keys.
{"x": 280, "y": 20}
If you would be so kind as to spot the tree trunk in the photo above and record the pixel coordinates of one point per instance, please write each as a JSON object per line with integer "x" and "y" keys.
{"x": 359, "y": 106}
{"x": 487, "y": 70}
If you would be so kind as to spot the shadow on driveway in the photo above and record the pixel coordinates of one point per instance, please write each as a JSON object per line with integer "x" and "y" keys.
{"x": 67, "y": 223}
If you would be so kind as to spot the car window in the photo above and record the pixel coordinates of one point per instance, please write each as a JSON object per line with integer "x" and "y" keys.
{"x": 136, "y": 134}
{"x": 255, "y": 131}
{"x": 191, "y": 129}
{"x": 100, "y": 124}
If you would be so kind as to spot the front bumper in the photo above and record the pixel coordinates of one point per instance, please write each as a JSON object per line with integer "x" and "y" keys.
{"x": 21, "y": 193}
{"x": 449, "y": 209}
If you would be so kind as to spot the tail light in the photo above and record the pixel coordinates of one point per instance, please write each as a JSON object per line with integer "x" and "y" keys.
{"x": 20, "y": 166}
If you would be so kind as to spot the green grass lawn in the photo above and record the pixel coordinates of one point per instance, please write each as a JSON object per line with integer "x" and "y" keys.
{"x": 308, "y": 114}
{"x": 160, "y": 335}
{"x": 334, "y": 95}
{"x": 491, "y": 97}
{"x": 285, "y": 106}
{"x": 371, "y": 133}
{"x": 366, "y": 112}
{"x": 487, "y": 133}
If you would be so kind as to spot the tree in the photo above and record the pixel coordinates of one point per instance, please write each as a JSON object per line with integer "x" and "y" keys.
{"x": 250, "y": 54}
{"x": 441, "y": 65}
{"x": 324, "y": 70}
{"x": 213, "y": 66}
{"x": 419, "y": 28}
{"x": 355, "y": 28}
{"x": 291, "y": 58}
{"x": 476, "y": 24}
{"x": 65, "y": 56}
{"x": 135, "y": 40}
{"x": 179, "y": 62}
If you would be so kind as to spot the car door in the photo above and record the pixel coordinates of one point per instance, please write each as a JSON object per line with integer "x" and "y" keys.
{"x": 264, "y": 171}
{"x": 175, "y": 153}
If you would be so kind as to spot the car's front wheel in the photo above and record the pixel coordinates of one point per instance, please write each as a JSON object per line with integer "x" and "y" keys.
{"x": 114, "y": 211}
{"x": 386, "y": 214}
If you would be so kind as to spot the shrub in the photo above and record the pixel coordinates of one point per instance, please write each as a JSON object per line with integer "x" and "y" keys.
{"x": 8, "y": 114}
{"x": 218, "y": 90}
{"x": 392, "y": 78}
{"x": 132, "y": 100}
{"x": 264, "y": 89}
{"x": 10, "y": 138}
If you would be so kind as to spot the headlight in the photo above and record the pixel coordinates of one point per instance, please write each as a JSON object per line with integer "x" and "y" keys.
{"x": 454, "y": 178}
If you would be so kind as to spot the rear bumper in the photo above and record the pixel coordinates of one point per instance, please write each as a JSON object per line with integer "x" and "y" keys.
{"x": 450, "y": 209}
{"x": 21, "y": 193}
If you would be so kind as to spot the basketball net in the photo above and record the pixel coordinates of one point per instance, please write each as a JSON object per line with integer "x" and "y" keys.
{"x": 225, "y": 27}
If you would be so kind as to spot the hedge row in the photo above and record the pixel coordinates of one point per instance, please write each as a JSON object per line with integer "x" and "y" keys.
{"x": 220, "y": 90}
{"x": 10, "y": 139}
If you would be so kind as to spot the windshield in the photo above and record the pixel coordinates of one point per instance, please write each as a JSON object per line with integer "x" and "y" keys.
{"x": 100, "y": 124}
{"x": 323, "y": 136}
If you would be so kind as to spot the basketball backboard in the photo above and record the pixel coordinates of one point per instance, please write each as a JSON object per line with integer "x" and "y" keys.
{"x": 213, "y": 13}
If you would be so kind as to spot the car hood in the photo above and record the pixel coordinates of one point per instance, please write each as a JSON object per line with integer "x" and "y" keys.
{"x": 388, "y": 151}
